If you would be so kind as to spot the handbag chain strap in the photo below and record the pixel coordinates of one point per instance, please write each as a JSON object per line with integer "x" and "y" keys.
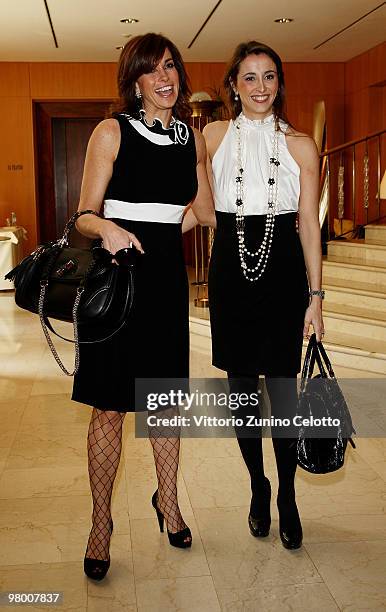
{"x": 43, "y": 287}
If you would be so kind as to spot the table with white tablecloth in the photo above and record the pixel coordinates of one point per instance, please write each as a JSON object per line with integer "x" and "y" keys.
{"x": 11, "y": 252}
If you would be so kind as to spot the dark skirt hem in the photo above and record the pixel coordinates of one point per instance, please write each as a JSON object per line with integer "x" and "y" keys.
{"x": 95, "y": 404}
{"x": 251, "y": 370}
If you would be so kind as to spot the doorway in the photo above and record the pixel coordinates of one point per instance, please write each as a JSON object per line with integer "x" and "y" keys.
{"x": 62, "y": 131}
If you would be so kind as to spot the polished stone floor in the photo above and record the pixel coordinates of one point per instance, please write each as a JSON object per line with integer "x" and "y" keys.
{"x": 45, "y": 510}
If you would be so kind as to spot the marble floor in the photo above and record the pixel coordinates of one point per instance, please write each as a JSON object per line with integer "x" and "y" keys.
{"x": 45, "y": 510}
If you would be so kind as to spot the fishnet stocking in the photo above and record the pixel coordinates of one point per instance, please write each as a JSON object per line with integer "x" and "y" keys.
{"x": 104, "y": 451}
{"x": 165, "y": 441}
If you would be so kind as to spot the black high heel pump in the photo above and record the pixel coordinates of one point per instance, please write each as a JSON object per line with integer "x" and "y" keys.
{"x": 259, "y": 519}
{"x": 175, "y": 539}
{"x": 290, "y": 527}
{"x": 97, "y": 568}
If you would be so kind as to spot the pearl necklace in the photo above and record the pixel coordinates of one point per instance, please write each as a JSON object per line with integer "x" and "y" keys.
{"x": 255, "y": 271}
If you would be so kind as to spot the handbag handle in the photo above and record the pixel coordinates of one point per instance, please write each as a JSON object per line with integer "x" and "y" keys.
{"x": 312, "y": 356}
{"x": 317, "y": 358}
{"x": 307, "y": 362}
{"x": 63, "y": 241}
{"x": 325, "y": 358}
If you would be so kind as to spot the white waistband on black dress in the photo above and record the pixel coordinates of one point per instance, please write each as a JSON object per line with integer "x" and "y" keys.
{"x": 143, "y": 211}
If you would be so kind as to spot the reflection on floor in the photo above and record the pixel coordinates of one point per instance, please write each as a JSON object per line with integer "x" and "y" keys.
{"x": 45, "y": 510}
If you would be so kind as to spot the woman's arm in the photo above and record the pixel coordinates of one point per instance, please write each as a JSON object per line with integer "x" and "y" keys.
{"x": 202, "y": 205}
{"x": 189, "y": 221}
{"x": 101, "y": 153}
{"x": 305, "y": 153}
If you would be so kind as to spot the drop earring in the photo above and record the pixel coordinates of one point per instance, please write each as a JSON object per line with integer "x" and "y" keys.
{"x": 138, "y": 94}
{"x": 236, "y": 96}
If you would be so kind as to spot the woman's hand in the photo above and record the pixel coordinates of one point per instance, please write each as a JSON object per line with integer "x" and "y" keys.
{"x": 115, "y": 238}
{"x": 314, "y": 317}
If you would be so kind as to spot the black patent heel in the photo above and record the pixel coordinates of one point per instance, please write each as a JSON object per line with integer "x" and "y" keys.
{"x": 175, "y": 539}
{"x": 290, "y": 527}
{"x": 259, "y": 519}
{"x": 160, "y": 516}
{"x": 96, "y": 569}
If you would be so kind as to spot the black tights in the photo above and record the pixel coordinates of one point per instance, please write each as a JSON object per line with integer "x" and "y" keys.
{"x": 282, "y": 393}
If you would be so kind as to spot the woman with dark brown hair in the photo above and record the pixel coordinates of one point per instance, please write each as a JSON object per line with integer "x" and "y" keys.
{"x": 265, "y": 276}
{"x": 146, "y": 166}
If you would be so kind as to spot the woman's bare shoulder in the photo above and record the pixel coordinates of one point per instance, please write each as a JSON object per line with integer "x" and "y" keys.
{"x": 215, "y": 129}
{"x": 299, "y": 140}
{"x": 107, "y": 129}
{"x": 290, "y": 131}
{"x": 214, "y": 133}
{"x": 301, "y": 146}
{"x": 106, "y": 137}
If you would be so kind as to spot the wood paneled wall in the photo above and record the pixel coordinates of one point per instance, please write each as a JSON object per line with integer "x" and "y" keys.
{"x": 365, "y": 113}
{"x": 20, "y": 85}
{"x": 306, "y": 83}
{"x": 345, "y": 88}
{"x": 72, "y": 81}
{"x": 17, "y": 182}
{"x": 365, "y": 93}
{"x": 206, "y": 77}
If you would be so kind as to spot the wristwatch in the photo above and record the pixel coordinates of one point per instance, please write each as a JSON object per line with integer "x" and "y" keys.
{"x": 319, "y": 292}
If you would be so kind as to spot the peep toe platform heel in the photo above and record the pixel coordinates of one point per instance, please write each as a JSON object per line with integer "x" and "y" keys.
{"x": 179, "y": 539}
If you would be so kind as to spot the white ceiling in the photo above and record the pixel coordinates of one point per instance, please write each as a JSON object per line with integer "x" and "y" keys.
{"x": 89, "y": 30}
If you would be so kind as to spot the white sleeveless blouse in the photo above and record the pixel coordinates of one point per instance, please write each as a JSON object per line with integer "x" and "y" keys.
{"x": 257, "y": 142}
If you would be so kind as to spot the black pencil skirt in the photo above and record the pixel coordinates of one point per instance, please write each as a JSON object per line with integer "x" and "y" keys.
{"x": 154, "y": 343}
{"x": 257, "y": 327}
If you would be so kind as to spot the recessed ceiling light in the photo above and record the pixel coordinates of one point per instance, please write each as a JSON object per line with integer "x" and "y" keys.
{"x": 119, "y": 48}
{"x": 284, "y": 20}
{"x": 129, "y": 20}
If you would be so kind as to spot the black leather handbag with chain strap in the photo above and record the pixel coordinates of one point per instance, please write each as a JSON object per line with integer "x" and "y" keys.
{"x": 81, "y": 286}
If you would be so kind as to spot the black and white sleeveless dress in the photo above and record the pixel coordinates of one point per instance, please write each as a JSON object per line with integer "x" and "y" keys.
{"x": 154, "y": 178}
{"x": 257, "y": 327}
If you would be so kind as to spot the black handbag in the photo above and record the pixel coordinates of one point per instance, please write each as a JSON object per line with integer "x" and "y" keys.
{"x": 78, "y": 286}
{"x": 321, "y": 447}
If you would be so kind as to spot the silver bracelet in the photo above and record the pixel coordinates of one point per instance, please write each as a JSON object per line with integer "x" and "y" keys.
{"x": 319, "y": 292}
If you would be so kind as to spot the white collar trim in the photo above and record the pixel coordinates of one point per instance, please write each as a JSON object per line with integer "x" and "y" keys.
{"x": 160, "y": 139}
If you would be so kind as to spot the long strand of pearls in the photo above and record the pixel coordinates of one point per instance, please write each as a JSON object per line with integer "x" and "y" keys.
{"x": 254, "y": 272}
